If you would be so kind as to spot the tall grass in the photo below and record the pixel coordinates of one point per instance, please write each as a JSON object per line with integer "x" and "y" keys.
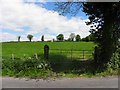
{"x": 41, "y": 68}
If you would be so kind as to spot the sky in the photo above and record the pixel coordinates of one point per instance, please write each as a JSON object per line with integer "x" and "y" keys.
{"x": 18, "y": 18}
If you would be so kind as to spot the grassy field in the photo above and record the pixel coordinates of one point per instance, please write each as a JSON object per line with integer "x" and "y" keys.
{"x": 19, "y": 49}
{"x": 59, "y": 63}
{"x": 59, "y": 60}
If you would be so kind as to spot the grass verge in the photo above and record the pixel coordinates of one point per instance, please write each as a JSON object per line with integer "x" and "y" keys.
{"x": 52, "y": 68}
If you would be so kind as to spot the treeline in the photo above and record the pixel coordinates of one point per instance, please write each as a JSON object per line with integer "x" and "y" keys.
{"x": 60, "y": 38}
{"x": 76, "y": 38}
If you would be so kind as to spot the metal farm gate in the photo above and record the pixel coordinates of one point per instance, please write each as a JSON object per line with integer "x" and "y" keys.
{"x": 71, "y": 54}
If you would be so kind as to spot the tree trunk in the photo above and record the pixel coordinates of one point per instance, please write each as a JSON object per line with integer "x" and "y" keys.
{"x": 106, "y": 43}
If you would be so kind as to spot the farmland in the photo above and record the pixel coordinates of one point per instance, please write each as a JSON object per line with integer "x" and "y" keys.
{"x": 19, "y": 49}
{"x": 63, "y": 57}
{"x": 60, "y": 62}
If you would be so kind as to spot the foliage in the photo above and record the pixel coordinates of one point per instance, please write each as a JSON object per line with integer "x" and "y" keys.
{"x": 86, "y": 39}
{"x": 30, "y": 37}
{"x": 68, "y": 40}
{"x": 39, "y": 68}
{"x": 106, "y": 33}
{"x": 24, "y": 66}
{"x": 115, "y": 60}
{"x": 104, "y": 21}
{"x": 42, "y": 38}
{"x": 77, "y": 38}
{"x": 60, "y": 37}
{"x": 89, "y": 38}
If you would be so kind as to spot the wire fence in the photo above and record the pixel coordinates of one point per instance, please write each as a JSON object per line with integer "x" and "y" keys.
{"x": 56, "y": 54}
{"x": 71, "y": 54}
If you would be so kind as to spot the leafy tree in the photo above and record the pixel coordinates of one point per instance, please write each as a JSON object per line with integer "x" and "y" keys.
{"x": 83, "y": 39}
{"x": 72, "y": 36}
{"x": 68, "y": 39}
{"x": 106, "y": 33}
{"x": 88, "y": 38}
{"x": 60, "y": 37}
{"x": 91, "y": 37}
{"x": 77, "y": 38}
{"x": 42, "y": 38}
{"x": 30, "y": 37}
{"x": 105, "y": 20}
{"x": 19, "y": 38}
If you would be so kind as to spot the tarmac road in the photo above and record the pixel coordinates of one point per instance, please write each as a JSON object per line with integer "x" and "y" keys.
{"x": 106, "y": 82}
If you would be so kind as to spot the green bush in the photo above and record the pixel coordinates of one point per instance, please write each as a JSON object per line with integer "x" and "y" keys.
{"x": 25, "y": 66}
{"x": 115, "y": 60}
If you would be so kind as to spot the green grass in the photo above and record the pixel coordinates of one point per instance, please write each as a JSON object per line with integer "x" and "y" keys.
{"x": 19, "y": 49}
{"x": 59, "y": 63}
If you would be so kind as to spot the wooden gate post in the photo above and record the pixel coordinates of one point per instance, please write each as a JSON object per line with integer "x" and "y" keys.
{"x": 46, "y": 52}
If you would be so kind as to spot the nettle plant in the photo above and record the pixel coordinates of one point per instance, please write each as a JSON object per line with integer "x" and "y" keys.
{"x": 25, "y": 64}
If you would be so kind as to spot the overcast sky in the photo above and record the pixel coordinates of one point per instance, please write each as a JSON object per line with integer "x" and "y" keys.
{"x": 18, "y": 18}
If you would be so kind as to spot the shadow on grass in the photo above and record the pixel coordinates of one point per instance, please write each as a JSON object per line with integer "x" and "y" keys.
{"x": 61, "y": 63}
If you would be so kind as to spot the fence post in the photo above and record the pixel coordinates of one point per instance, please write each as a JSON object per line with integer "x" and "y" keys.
{"x": 83, "y": 54}
{"x": 46, "y": 51}
{"x": 12, "y": 56}
{"x": 36, "y": 56}
{"x": 24, "y": 55}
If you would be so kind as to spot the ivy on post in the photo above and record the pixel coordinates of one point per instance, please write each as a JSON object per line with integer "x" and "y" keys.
{"x": 46, "y": 52}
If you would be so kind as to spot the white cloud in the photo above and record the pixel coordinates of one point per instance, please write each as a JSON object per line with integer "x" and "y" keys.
{"x": 7, "y": 36}
{"x": 12, "y": 37}
{"x": 16, "y": 14}
{"x": 19, "y": 30}
{"x": 35, "y": 1}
